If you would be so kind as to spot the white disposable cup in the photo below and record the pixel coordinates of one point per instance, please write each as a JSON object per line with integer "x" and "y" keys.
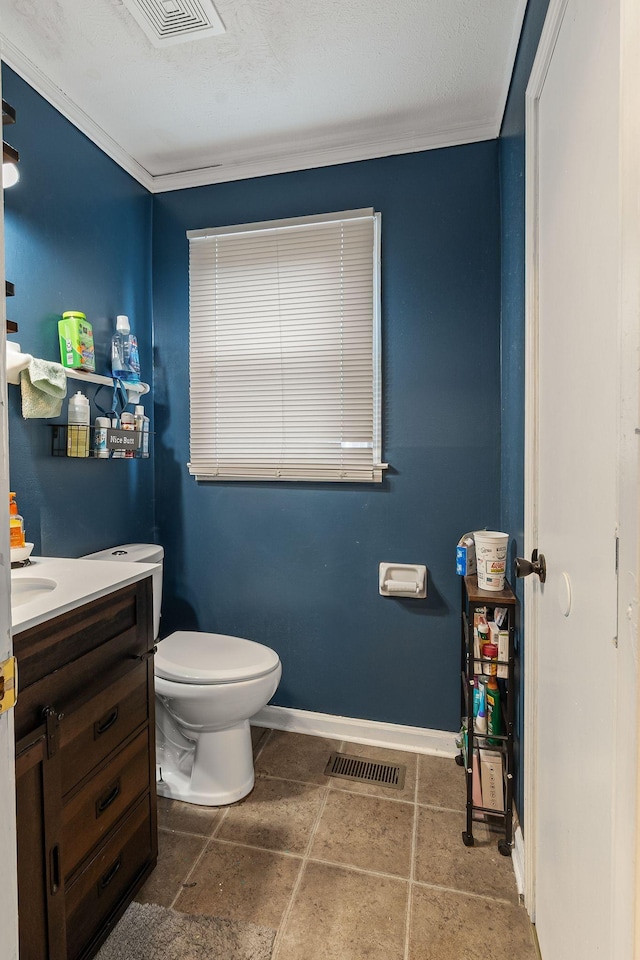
{"x": 491, "y": 558}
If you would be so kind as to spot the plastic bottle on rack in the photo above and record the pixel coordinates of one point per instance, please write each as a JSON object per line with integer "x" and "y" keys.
{"x": 125, "y": 360}
{"x": 128, "y": 422}
{"x": 78, "y": 420}
{"x": 489, "y": 659}
{"x": 494, "y": 716}
{"x": 100, "y": 448}
{"x": 480, "y": 723}
{"x": 142, "y": 426}
{"x": 480, "y": 637}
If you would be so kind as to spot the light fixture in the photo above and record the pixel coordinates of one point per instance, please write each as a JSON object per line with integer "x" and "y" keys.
{"x": 10, "y": 175}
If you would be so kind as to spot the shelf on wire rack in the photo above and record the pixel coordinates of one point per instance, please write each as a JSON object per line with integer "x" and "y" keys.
{"x": 133, "y": 389}
{"x": 78, "y": 441}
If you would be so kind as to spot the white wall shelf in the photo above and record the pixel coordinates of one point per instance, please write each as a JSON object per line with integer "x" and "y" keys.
{"x": 134, "y": 390}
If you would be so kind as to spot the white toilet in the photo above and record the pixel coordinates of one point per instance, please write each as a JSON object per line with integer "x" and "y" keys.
{"x": 207, "y": 687}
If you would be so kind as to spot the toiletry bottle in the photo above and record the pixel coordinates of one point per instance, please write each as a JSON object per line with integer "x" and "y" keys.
{"x": 480, "y": 723}
{"x": 494, "y": 716}
{"x": 479, "y": 621}
{"x": 78, "y": 420}
{"x": 142, "y": 426}
{"x": 481, "y": 636}
{"x": 489, "y": 658}
{"x": 16, "y": 524}
{"x": 117, "y": 453}
{"x": 100, "y": 437}
{"x": 128, "y": 422}
{"x": 125, "y": 360}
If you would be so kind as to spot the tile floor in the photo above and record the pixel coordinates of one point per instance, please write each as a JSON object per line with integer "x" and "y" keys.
{"x": 344, "y": 870}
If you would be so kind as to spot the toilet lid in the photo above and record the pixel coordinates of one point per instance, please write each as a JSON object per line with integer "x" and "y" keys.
{"x": 190, "y": 657}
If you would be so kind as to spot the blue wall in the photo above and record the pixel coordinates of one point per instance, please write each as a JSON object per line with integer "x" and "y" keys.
{"x": 295, "y": 565}
{"x": 512, "y": 195}
{"x": 292, "y": 565}
{"x": 78, "y": 237}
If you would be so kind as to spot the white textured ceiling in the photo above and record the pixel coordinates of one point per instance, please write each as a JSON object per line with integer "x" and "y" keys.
{"x": 291, "y": 83}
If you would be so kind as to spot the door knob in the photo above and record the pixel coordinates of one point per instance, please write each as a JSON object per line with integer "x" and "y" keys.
{"x": 537, "y": 565}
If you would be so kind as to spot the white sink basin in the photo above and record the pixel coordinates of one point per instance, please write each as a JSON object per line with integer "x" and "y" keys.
{"x": 26, "y": 589}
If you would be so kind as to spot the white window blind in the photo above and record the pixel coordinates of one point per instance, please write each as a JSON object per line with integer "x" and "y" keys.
{"x": 284, "y": 350}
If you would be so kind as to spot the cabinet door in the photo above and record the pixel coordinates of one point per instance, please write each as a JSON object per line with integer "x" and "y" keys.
{"x": 40, "y": 884}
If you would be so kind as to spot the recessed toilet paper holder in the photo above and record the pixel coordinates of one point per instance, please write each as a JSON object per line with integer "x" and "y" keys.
{"x": 403, "y": 580}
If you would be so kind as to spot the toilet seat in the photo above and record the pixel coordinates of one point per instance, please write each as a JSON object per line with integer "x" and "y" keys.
{"x": 209, "y": 658}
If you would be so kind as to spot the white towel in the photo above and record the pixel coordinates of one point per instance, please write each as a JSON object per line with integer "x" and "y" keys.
{"x": 16, "y": 361}
{"x": 44, "y": 386}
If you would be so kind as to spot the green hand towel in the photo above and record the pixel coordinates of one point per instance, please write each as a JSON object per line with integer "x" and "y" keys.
{"x": 43, "y": 386}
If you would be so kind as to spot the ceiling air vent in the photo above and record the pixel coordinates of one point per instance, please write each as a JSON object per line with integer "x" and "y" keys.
{"x": 167, "y": 22}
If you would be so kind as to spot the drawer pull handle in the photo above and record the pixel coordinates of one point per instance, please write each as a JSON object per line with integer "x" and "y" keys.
{"x": 54, "y": 864}
{"x": 52, "y": 719}
{"x": 103, "y": 725}
{"x": 109, "y": 875}
{"x": 106, "y": 801}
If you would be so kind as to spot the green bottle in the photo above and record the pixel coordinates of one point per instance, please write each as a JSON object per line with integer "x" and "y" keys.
{"x": 494, "y": 714}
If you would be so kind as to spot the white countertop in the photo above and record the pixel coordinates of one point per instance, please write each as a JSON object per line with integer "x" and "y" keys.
{"x": 77, "y": 582}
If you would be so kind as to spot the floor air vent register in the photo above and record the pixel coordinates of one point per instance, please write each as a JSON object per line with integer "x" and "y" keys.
{"x": 365, "y": 771}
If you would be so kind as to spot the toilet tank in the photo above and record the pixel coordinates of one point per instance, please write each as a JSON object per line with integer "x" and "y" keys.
{"x": 139, "y": 553}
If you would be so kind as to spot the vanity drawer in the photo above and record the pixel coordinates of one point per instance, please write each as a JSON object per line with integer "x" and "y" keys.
{"x": 89, "y": 733}
{"x": 91, "y": 813}
{"x": 75, "y": 684}
{"x": 108, "y": 879}
{"x": 93, "y": 628}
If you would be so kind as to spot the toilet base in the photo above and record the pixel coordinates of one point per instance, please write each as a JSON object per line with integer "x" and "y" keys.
{"x": 221, "y": 771}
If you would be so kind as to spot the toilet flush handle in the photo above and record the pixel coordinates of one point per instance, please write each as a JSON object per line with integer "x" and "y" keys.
{"x": 143, "y": 656}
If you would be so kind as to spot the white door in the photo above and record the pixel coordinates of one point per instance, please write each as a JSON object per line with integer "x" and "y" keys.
{"x": 573, "y": 438}
{"x": 8, "y": 888}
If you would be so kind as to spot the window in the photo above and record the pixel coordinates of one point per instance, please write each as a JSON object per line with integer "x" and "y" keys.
{"x": 284, "y": 349}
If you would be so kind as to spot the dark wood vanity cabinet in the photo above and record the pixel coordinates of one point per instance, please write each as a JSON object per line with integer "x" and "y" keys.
{"x": 85, "y": 772}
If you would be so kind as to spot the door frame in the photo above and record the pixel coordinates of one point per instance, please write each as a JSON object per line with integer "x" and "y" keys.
{"x": 626, "y": 836}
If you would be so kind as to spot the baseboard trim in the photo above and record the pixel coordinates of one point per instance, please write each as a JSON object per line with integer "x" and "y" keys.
{"x": 517, "y": 856}
{"x": 395, "y": 736}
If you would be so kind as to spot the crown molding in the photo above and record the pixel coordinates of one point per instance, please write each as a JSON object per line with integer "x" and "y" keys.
{"x": 454, "y": 136}
{"x": 351, "y": 153}
{"x": 34, "y": 76}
